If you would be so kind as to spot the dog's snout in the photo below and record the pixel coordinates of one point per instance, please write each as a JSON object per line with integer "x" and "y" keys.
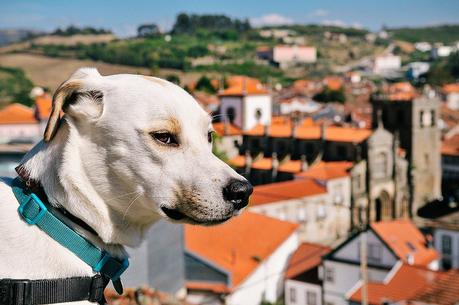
{"x": 238, "y": 192}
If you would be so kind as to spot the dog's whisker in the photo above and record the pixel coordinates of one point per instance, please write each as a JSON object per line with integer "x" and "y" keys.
{"x": 130, "y": 205}
{"x": 219, "y": 116}
{"x": 121, "y": 196}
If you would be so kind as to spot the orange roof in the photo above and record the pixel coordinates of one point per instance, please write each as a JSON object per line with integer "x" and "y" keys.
{"x": 306, "y": 257}
{"x": 239, "y": 246}
{"x": 243, "y": 85}
{"x": 327, "y": 170}
{"x": 305, "y": 132}
{"x": 450, "y": 146}
{"x": 333, "y": 82}
{"x": 443, "y": 291}
{"x": 17, "y": 114}
{"x": 258, "y": 130}
{"x": 44, "y": 105}
{"x": 451, "y": 88}
{"x": 208, "y": 286}
{"x": 226, "y": 129}
{"x": 347, "y": 134}
{"x": 406, "y": 283}
{"x": 238, "y": 161}
{"x": 401, "y": 91}
{"x": 263, "y": 163}
{"x": 291, "y": 166}
{"x": 405, "y": 240}
{"x": 287, "y": 190}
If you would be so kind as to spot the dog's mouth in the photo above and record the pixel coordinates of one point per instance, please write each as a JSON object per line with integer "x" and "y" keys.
{"x": 176, "y": 215}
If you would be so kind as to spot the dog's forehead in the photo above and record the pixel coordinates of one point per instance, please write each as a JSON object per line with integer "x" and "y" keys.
{"x": 147, "y": 98}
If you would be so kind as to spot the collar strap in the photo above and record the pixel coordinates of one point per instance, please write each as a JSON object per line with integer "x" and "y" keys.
{"x": 34, "y": 292}
{"x": 35, "y": 212}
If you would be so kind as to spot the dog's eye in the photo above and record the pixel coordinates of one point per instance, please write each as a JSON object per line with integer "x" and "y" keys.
{"x": 210, "y": 136}
{"x": 165, "y": 138}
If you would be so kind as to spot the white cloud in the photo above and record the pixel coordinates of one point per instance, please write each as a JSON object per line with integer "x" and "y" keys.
{"x": 271, "y": 19}
{"x": 320, "y": 13}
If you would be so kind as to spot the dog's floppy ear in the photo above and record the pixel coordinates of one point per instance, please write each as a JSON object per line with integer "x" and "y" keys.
{"x": 80, "y": 85}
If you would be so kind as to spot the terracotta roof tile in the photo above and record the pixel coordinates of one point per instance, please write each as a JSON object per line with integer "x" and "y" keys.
{"x": 287, "y": 190}
{"x": 451, "y": 88}
{"x": 327, "y": 170}
{"x": 238, "y": 161}
{"x": 208, "y": 286}
{"x": 44, "y": 105}
{"x": 347, "y": 134}
{"x": 306, "y": 257}
{"x": 450, "y": 146}
{"x": 444, "y": 291}
{"x": 17, "y": 114}
{"x": 405, "y": 239}
{"x": 407, "y": 282}
{"x": 243, "y": 85}
{"x": 239, "y": 246}
{"x": 291, "y": 166}
{"x": 226, "y": 129}
{"x": 333, "y": 82}
{"x": 263, "y": 164}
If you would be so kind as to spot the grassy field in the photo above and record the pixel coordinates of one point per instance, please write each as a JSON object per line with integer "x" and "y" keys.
{"x": 50, "y": 72}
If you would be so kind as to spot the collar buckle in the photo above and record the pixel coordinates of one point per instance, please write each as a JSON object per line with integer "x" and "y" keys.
{"x": 15, "y": 292}
{"x": 111, "y": 266}
{"x": 24, "y": 209}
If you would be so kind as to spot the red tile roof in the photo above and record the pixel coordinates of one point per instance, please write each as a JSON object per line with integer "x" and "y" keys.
{"x": 238, "y": 161}
{"x": 327, "y": 170}
{"x": 451, "y": 88}
{"x": 263, "y": 164}
{"x": 450, "y": 146}
{"x": 228, "y": 130}
{"x": 333, "y": 82}
{"x": 17, "y": 114}
{"x": 405, "y": 240}
{"x": 44, "y": 105}
{"x": 444, "y": 291}
{"x": 243, "y": 85}
{"x": 291, "y": 166}
{"x": 287, "y": 190}
{"x": 347, "y": 134}
{"x": 239, "y": 246}
{"x": 401, "y": 91}
{"x": 306, "y": 257}
{"x": 208, "y": 286}
{"x": 406, "y": 283}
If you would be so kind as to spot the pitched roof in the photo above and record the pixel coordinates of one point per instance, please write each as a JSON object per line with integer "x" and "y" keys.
{"x": 450, "y": 146}
{"x": 306, "y": 257}
{"x": 451, "y": 88}
{"x": 406, "y": 241}
{"x": 263, "y": 164}
{"x": 347, "y": 134}
{"x": 44, "y": 105}
{"x": 239, "y": 246}
{"x": 401, "y": 91}
{"x": 238, "y": 161}
{"x": 287, "y": 190}
{"x": 291, "y": 166}
{"x": 243, "y": 85}
{"x": 327, "y": 170}
{"x": 401, "y": 284}
{"x": 226, "y": 129}
{"x": 17, "y": 114}
{"x": 444, "y": 291}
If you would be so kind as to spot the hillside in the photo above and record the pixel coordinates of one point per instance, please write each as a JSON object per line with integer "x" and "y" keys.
{"x": 443, "y": 33}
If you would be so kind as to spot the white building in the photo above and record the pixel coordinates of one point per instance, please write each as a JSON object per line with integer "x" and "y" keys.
{"x": 303, "y": 284}
{"x": 308, "y": 203}
{"x": 387, "y": 63}
{"x": 423, "y": 46}
{"x": 450, "y": 94}
{"x": 286, "y": 55}
{"x": 245, "y": 103}
{"x": 441, "y": 51}
{"x": 240, "y": 262}
{"x": 388, "y": 242}
{"x": 19, "y": 125}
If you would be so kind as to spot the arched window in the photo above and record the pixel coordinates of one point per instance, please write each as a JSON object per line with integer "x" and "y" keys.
{"x": 258, "y": 114}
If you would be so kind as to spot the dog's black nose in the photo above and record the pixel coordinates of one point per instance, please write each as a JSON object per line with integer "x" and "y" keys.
{"x": 238, "y": 193}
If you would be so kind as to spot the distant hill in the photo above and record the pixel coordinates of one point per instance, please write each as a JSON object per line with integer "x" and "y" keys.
{"x": 441, "y": 33}
{"x": 8, "y": 36}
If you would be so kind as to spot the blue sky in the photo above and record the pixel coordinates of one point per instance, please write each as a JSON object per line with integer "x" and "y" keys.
{"x": 124, "y": 16}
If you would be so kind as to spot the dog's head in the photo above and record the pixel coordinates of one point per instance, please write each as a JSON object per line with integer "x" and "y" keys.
{"x": 145, "y": 145}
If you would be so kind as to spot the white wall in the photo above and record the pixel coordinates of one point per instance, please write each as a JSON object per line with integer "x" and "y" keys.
{"x": 320, "y": 220}
{"x": 301, "y": 290}
{"x": 267, "y": 280}
{"x": 452, "y": 100}
{"x": 11, "y": 132}
{"x": 454, "y": 257}
{"x": 345, "y": 276}
{"x": 251, "y": 104}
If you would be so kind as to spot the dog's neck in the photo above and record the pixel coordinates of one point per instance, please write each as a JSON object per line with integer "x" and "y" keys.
{"x": 57, "y": 166}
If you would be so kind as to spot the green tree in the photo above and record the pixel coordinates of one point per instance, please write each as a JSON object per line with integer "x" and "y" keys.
{"x": 15, "y": 86}
{"x": 327, "y": 95}
{"x": 205, "y": 85}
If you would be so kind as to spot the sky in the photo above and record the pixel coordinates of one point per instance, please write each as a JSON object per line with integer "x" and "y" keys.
{"x": 123, "y": 17}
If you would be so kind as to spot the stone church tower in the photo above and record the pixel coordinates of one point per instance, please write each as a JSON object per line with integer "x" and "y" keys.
{"x": 415, "y": 119}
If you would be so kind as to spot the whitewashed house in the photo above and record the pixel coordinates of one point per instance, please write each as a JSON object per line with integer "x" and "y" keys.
{"x": 388, "y": 242}
{"x": 303, "y": 283}
{"x": 450, "y": 93}
{"x": 245, "y": 103}
{"x": 240, "y": 262}
{"x": 19, "y": 125}
{"x": 386, "y": 64}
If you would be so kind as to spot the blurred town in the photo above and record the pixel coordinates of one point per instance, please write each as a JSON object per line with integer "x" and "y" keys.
{"x": 350, "y": 137}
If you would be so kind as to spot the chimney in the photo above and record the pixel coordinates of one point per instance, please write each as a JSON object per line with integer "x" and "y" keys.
{"x": 304, "y": 163}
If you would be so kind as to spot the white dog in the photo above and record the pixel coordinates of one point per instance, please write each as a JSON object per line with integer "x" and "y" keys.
{"x": 128, "y": 151}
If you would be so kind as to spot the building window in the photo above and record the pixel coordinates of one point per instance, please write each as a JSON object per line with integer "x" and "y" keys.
{"x": 258, "y": 114}
{"x": 421, "y": 119}
{"x": 446, "y": 247}
{"x": 311, "y": 298}
{"x": 380, "y": 165}
{"x": 432, "y": 118}
{"x": 329, "y": 275}
{"x": 374, "y": 252}
{"x": 231, "y": 114}
{"x": 292, "y": 293}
